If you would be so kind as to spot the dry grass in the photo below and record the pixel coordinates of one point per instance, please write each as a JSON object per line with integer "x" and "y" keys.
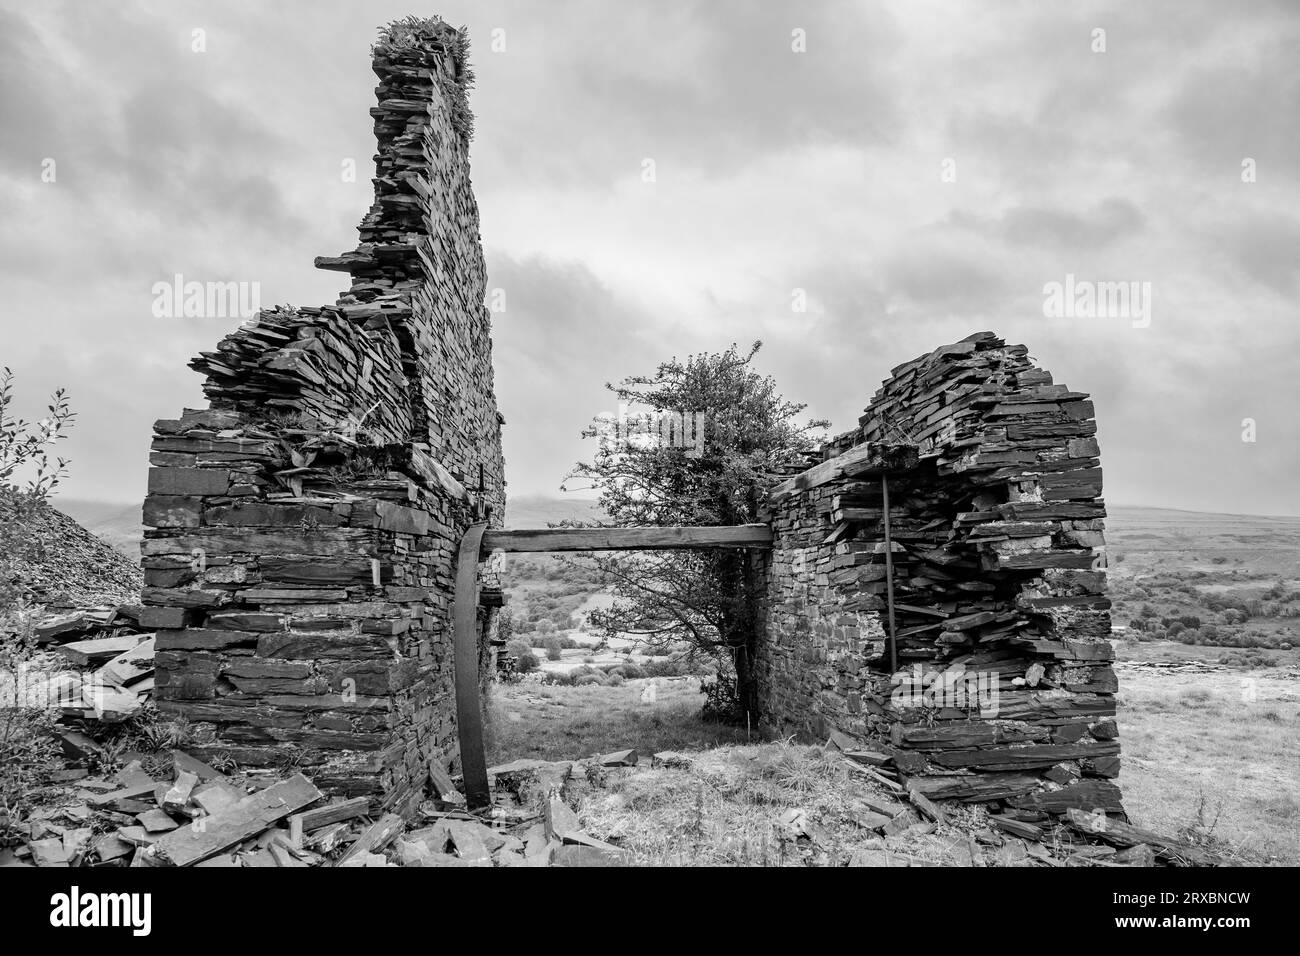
{"x": 1214, "y": 755}
{"x": 760, "y": 805}
{"x": 567, "y": 723}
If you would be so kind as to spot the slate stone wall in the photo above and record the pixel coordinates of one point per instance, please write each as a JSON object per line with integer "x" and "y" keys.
{"x": 1004, "y": 689}
{"x": 302, "y": 531}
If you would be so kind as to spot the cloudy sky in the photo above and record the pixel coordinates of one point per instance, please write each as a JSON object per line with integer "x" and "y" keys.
{"x": 917, "y": 172}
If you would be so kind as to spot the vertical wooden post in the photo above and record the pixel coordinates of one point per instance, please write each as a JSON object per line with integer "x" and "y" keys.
{"x": 469, "y": 713}
{"x": 889, "y": 576}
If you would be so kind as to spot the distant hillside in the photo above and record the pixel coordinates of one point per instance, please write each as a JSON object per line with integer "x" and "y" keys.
{"x": 1153, "y": 539}
{"x": 118, "y": 524}
{"x": 1211, "y": 579}
{"x": 539, "y": 511}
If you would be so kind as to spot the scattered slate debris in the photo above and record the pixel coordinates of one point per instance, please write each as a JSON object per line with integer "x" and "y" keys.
{"x": 93, "y": 663}
{"x": 1018, "y": 837}
{"x": 194, "y": 814}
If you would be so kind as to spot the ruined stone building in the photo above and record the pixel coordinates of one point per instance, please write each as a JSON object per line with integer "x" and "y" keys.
{"x": 1000, "y": 686}
{"x": 302, "y": 531}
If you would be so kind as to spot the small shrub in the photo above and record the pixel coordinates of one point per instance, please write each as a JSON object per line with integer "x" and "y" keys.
{"x": 28, "y": 755}
{"x": 721, "y": 699}
{"x": 1246, "y": 658}
{"x": 525, "y": 660}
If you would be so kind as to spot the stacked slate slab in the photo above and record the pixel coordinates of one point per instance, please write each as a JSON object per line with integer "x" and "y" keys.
{"x": 1004, "y": 689}
{"x": 302, "y": 530}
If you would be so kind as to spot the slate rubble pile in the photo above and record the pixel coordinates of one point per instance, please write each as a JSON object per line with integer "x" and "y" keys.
{"x": 193, "y": 814}
{"x": 92, "y": 663}
{"x": 64, "y": 564}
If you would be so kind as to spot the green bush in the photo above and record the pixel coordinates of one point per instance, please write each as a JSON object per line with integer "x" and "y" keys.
{"x": 553, "y": 649}
{"x": 626, "y": 671}
{"x": 1247, "y": 658}
{"x": 525, "y": 660}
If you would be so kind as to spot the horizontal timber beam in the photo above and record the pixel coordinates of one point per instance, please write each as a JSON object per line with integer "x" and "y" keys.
{"x": 870, "y": 459}
{"x": 629, "y": 539}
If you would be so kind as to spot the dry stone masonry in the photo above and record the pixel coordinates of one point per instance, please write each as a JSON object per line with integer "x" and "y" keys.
{"x": 299, "y": 557}
{"x": 1004, "y": 689}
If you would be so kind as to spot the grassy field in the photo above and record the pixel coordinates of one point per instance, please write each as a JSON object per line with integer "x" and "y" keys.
{"x": 566, "y": 723}
{"x": 1217, "y": 751}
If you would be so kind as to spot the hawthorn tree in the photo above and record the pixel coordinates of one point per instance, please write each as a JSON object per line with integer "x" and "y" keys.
{"x": 709, "y": 435}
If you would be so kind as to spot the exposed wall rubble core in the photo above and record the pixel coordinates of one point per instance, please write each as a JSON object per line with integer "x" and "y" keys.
{"x": 1005, "y": 689}
{"x": 302, "y": 531}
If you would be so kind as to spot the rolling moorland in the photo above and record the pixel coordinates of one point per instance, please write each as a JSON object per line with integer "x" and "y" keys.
{"x": 1207, "y": 617}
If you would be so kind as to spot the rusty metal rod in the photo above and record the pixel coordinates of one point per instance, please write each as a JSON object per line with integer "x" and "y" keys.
{"x": 889, "y": 576}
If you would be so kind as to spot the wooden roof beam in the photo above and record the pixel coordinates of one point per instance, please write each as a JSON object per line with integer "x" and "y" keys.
{"x": 629, "y": 539}
{"x": 871, "y": 459}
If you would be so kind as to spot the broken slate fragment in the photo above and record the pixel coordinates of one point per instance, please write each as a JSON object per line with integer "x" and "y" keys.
{"x": 179, "y": 794}
{"x": 252, "y": 815}
{"x": 619, "y": 758}
{"x": 156, "y": 821}
{"x": 579, "y": 855}
{"x": 558, "y": 818}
